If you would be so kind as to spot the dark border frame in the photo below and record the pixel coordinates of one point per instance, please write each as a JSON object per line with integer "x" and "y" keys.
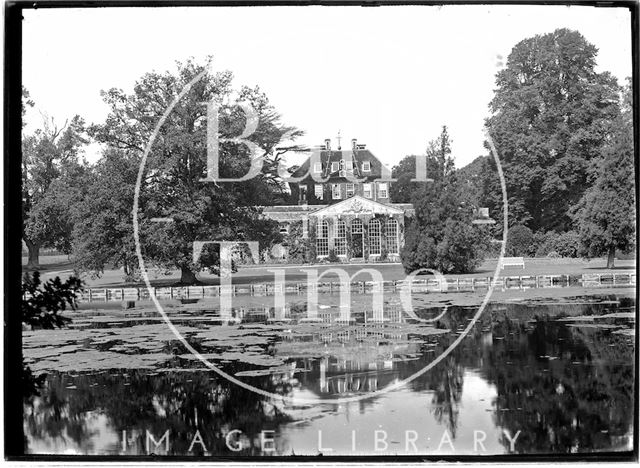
{"x": 13, "y": 420}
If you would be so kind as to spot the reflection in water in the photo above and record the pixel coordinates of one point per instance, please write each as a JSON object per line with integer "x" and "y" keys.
{"x": 524, "y": 380}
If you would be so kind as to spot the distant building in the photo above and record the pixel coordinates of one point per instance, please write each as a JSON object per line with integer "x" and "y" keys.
{"x": 356, "y": 219}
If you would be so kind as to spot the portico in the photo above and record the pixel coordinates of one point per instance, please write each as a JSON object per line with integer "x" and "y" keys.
{"x": 355, "y": 229}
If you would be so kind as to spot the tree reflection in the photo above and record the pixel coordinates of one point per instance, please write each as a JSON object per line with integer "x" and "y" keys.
{"x": 180, "y": 401}
{"x": 564, "y": 389}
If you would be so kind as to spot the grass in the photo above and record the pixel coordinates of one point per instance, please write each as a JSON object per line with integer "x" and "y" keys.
{"x": 52, "y": 266}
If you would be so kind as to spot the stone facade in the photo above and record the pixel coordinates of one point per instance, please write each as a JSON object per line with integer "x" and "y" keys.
{"x": 337, "y": 217}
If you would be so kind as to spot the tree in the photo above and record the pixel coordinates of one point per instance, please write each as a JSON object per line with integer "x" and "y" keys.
{"x": 606, "y": 216}
{"x": 551, "y": 113}
{"x": 49, "y": 154}
{"x": 442, "y": 236}
{"x": 519, "y": 241}
{"x": 402, "y": 190}
{"x": 471, "y": 177}
{"x": 438, "y": 166}
{"x": 172, "y": 187}
{"x": 103, "y": 225}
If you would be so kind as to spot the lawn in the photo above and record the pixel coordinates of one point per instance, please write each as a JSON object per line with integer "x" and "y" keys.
{"x": 60, "y": 266}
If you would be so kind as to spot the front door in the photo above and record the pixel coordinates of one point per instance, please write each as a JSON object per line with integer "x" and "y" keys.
{"x": 357, "y": 239}
{"x": 356, "y": 246}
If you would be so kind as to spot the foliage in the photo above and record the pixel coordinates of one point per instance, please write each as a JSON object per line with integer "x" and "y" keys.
{"x": 299, "y": 249}
{"x": 567, "y": 244}
{"x": 471, "y": 177}
{"x": 45, "y": 300}
{"x": 439, "y": 165}
{"x": 333, "y": 258}
{"x": 519, "y": 241}
{"x": 551, "y": 114}
{"x": 384, "y": 254}
{"x": 442, "y": 236}
{"x": 50, "y": 160}
{"x": 171, "y": 186}
{"x": 402, "y": 190}
{"x": 103, "y": 225}
{"x": 605, "y": 216}
{"x": 544, "y": 242}
{"x": 40, "y": 308}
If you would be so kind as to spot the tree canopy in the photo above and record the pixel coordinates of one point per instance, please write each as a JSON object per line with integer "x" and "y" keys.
{"x": 550, "y": 116}
{"x": 605, "y": 215}
{"x": 442, "y": 236}
{"x": 172, "y": 185}
{"x": 49, "y": 155}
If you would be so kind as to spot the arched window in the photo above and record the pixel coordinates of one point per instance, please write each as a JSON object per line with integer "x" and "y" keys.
{"x": 322, "y": 241}
{"x": 356, "y": 226}
{"x": 341, "y": 238}
{"x": 392, "y": 236}
{"x": 374, "y": 237}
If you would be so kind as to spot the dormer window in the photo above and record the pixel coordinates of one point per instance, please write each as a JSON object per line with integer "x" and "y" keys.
{"x": 317, "y": 167}
{"x": 335, "y": 192}
{"x": 335, "y": 166}
{"x": 366, "y": 166}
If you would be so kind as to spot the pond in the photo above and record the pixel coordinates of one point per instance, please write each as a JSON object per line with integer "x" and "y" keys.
{"x": 529, "y": 378}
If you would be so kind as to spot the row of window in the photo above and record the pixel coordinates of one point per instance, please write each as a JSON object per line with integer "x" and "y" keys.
{"x": 341, "y": 166}
{"x": 350, "y": 190}
{"x": 340, "y": 239}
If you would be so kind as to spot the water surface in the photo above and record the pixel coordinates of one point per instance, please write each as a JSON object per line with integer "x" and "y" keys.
{"x": 535, "y": 378}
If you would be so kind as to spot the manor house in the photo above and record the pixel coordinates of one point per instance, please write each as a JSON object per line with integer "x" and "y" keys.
{"x": 344, "y": 206}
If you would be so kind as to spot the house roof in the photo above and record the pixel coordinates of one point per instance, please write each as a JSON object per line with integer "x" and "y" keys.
{"x": 357, "y": 205}
{"x": 358, "y": 156}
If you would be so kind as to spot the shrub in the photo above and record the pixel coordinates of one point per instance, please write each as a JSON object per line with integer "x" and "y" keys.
{"x": 519, "y": 241}
{"x": 493, "y": 249}
{"x": 441, "y": 235}
{"x": 384, "y": 254}
{"x": 553, "y": 254}
{"x": 544, "y": 243}
{"x": 460, "y": 249}
{"x": 299, "y": 249}
{"x": 333, "y": 258}
{"x": 568, "y": 244}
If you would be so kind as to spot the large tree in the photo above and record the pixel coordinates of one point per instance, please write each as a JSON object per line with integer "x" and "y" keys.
{"x": 172, "y": 186}
{"x": 49, "y": 154}
{"x": 441, "y": 236}
{"x": 103, "y": 226}
{"x": 551, "y": 114}
{"x": 606, "y": 216}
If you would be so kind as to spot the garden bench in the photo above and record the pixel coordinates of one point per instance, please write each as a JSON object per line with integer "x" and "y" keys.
{"x": 512, "y": 261}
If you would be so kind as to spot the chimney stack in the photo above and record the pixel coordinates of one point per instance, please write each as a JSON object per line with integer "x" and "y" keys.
{"x": 327, "y": 144}
{"x": 354, "y": 144}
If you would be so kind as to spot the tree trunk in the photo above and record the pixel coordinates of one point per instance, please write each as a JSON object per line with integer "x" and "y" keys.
{"x": 34, "y": 254}
{"x": 187, "y": 276}
{"x": 612, "y": 256}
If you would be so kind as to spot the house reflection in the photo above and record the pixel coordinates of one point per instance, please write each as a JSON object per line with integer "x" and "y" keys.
{"x": 354, "y": 361}
{"x": 298, "y": 313}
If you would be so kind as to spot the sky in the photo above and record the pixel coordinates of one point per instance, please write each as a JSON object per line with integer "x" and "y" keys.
{"x": 389, "y": 76}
